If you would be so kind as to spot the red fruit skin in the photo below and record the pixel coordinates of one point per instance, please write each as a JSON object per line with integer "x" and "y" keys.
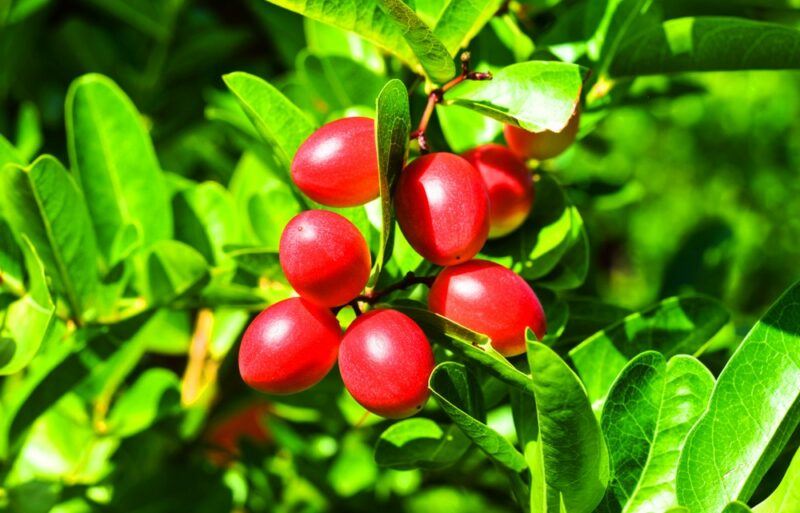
{"x": 542, "y": 145}
{"x": 386, "y": 360}
{"x": 490, "y": 299}
{"x": 443, "y": 208}
{"x": 338, "y": 164}
{"x": 509, "y": 184}
{"x": 289, "y": 347}
{"x": 324, "y": 257}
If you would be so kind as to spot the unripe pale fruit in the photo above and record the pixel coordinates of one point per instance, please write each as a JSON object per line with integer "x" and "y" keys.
{"x": 490, "y": 299}
{"x": 338, "y": 164}
{"x": 443, "y": 208}
{"x": 289, "y": 347}
{"x": 509, "y": 184}
{"x": 386, "y": 360}
{"x": 541, "y": 145}
{"x": 324, "y": 257}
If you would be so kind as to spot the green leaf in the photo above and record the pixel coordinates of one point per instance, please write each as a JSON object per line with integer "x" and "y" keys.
{"x": 27, "y": 320}
{"x": 11, "y": 259}
{"x": 43, "y": 203}
{"x": 569, "y": 448}
{"x": 327, "y": 40}
{"x": 229, "y": 323}
{"x": 74, "y": 451}
{"x": 420, "y": 443}
{"x": 9, "y": 153}
{"x": 707, "y": 44}
{"x": 459, "y": 395}
{"x": 264, "y": 199}
{"x": 338, "y": 81}
{"x": 786, "y": 497}
{"x": 467, "y": 343}
{"x": 573, "y": 267}
{"x": 205, "y": 218}
{"x": 276, "y": 119}
{"x": 461, "y": 20}
{"x": 620, "y": 17}
{"x": 677, "y": 325}
{"x": 392, "y": 126}
{"x": 364, "y": 17}
{"x": 464, "y": 129}
{"x": 114, "y": 162}
{"x": 737, "y": 507}
{"x": 648, "y": 414}
{"x": 753, "y": 411}
{"x": 173, "y": 269}
{"x": 434, "y": 58}
{"x": 29, "y": 132}
{"x": 536, "y": 247}
{"x": 256, "y": 260}
{"x": 535, "y": 95}
{"x": 154, "y": 395}
{"x": 588, "y": 316}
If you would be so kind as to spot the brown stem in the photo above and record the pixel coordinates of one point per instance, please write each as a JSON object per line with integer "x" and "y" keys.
{"x": 409, "y": 280}
{"x": 437, "y": 96}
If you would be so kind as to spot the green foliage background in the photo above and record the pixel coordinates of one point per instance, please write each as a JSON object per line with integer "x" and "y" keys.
{"x": 685, "y": 183}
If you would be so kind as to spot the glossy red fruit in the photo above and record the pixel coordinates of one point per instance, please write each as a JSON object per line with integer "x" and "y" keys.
{"x": 443, "y": 208}
{"x": 324, "y": 257}
{"x": 289, "y": 347}
{"x": 490, "y": 299}
{"x": 386, "y": 360}
{"x": 509, "y": 183}
{"x": 338, "y": 164}
{"x": 542, "y": 145}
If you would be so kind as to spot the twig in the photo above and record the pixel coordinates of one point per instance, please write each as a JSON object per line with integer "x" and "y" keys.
{"x": 409, "y": 280}
{"x": 437, "y": 96}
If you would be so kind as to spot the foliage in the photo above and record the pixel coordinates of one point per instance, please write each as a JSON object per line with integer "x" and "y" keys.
{"x": 144, "y": 185}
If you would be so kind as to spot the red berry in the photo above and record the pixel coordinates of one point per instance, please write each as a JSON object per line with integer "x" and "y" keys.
{"x": 386, "y": 360}
{"x": 443, "y": 208}
{"x": 509, "y": 183}
{"x": 289, "y": 347}
{"x": 490, "y": 299}
{"x": 542, "y": 145}
{"x": 338, "y": 164}
{"x": 324, "y": 257}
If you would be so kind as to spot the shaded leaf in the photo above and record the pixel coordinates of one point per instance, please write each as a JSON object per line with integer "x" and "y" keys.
{"x": 786, "y": 497}
{"x": 459, "y": 395}
{"x": 707, "y": 44}
{"x": 461, "y": 20}
{"x": 154, "y": 395}
{"x": 43, "y": 203}
{"x": 677, "y": 325}
{"x": 392, "y": 126}
{"x": 569, "y": 449}
{"x": 467, "y": 343}
{"x": 27, "y": 320}
{"x": 420, "y": 443}
{"x": 173, "y": 269}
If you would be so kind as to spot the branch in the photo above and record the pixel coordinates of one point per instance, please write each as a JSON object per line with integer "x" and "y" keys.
{"x": 437, "y": 96}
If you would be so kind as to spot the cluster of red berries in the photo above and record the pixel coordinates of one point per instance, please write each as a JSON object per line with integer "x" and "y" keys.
{"x": 447, "y": 206}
